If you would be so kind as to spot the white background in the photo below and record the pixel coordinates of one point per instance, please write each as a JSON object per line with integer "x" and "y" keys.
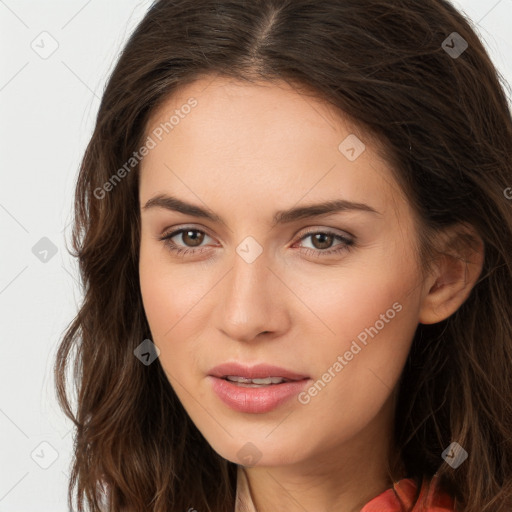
{"x": 47, "y": 111}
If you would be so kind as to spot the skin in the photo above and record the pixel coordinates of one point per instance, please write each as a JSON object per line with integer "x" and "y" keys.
{"x": 246, "y": 151}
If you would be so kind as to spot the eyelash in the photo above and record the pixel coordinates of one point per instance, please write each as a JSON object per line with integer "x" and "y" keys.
{"x": 346, "y": 244}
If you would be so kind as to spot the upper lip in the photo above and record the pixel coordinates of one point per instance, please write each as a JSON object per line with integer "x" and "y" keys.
{"x": 259, "y": 371}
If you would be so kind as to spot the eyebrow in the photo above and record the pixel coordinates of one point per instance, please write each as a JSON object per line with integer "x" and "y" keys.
{"x": 280, "y": 217}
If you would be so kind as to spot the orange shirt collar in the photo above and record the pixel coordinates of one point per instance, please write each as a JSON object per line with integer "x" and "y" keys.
{"x": 399, "y": 498}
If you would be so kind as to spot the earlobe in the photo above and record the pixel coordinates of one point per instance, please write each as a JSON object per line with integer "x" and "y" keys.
{"x": 451, "y": 283}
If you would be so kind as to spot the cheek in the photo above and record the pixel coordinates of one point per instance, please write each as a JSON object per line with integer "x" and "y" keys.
{"x": 363, "y": 297}
{"x": 169, "y": 293}
{"x": 171, "y": 301}
{"x": 160, "y": 305}
{"x": 374, "y": 318}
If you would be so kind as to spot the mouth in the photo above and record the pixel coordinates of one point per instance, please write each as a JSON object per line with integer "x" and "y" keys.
{"x": 260, "y": 374}
{"x": 255, "y": 383}
{"x": 255, "y": 389}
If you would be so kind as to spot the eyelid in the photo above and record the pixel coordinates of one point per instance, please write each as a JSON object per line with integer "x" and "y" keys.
{"x": 347, "y": 242}
{"x": 299, "y": 234}
{"x": 325, "y": 229}
{"x": 167, "y": 234}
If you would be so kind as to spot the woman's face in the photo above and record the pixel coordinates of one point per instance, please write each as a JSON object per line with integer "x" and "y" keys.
{"x": 331, "y": 297}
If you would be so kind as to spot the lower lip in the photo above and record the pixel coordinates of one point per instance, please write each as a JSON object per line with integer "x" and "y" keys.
{"x": 255, "y": 400}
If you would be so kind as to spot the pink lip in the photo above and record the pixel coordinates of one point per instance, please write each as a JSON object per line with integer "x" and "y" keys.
{"x": 259, "y": 371}
{"x": 255, "y": 400}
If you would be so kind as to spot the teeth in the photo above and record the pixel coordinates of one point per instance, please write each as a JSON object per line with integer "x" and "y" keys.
{"x": 266, "y": 381}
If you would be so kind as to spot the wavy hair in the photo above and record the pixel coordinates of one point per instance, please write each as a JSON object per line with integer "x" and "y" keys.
{"x": 445, "y": 128}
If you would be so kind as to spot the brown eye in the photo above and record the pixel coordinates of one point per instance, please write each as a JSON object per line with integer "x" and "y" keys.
{"x": 191, "y": 238}
{"x": 322, "y": 240}
{"x": 322, "y": 243}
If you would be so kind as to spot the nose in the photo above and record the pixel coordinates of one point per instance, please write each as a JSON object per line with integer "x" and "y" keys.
{"x": 252, "y": 300}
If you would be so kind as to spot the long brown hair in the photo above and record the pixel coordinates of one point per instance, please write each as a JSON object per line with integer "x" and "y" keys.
{"x": 446, "y": 130}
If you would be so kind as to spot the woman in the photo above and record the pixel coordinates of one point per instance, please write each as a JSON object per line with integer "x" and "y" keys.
{"x": 295, "y": 238}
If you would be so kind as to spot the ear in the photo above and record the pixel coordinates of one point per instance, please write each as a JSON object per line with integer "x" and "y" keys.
{"x": 455, "y": 273}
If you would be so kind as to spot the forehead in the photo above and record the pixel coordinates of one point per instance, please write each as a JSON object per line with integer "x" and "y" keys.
{"x": 223, "y": 105}
{"x": 257, "y": 137}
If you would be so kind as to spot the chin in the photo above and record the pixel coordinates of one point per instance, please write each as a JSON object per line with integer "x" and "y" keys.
{"x": 260, "y": 451}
